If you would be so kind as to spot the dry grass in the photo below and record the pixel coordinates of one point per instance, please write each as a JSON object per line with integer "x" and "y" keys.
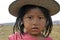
{"x": 56, "y": 32}
{"x": 5, "y": 31}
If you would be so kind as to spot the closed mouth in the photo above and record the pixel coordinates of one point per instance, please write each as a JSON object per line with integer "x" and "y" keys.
{"x": 35, "y": 28}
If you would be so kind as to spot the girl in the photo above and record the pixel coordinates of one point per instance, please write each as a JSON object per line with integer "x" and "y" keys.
{"x": 33, "y": 22}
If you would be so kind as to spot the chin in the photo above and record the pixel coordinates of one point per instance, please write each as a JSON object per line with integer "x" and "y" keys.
{"x": 35, "y": 33}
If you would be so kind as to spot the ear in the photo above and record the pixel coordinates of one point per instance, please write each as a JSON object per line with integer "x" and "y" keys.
{"x": 47, "y": 23}
{"x": 21, "y": 23}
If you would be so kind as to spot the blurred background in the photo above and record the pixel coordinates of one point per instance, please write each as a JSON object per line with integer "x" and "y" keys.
{"x": 7, "y": 21}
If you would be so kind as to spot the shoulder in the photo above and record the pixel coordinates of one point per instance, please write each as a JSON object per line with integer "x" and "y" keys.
{"x": 49, "y": 38}
{"x": 14, "y": 36}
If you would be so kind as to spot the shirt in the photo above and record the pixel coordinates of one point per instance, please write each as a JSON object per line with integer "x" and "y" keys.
{"x": 25, "y": 36}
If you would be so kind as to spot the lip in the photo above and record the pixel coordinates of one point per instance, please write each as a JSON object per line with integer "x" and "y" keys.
{"x": 35, "y": 28}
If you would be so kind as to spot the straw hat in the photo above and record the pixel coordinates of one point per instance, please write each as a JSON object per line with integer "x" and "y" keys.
{"x": 51, "y": 5}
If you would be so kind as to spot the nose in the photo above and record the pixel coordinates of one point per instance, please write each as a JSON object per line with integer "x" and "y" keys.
{"x": 35, "y": 21}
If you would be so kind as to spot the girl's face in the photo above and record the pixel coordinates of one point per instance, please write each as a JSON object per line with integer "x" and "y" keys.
{"x": 34, "y": 21}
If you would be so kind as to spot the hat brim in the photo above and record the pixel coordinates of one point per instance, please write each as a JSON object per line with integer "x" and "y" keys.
{"x": 51, "y": 5}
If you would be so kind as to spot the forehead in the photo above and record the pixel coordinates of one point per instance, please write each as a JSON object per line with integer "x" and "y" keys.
{"x": 35, "y": 11}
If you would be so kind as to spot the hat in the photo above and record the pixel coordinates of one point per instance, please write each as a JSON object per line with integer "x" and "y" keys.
{"x": 51, "y": 5}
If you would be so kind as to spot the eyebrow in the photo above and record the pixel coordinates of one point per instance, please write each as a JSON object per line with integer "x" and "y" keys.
{"x": 33, "y": 16}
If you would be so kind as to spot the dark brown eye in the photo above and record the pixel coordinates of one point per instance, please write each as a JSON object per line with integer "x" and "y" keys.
{"x": 29, "y": 17}
{"x": 40, "y": 17}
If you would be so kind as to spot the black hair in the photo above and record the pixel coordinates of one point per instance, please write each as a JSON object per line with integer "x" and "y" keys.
{"x": 21, "y": 13}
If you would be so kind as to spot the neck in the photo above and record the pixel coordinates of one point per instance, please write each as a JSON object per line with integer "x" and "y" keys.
{"x": 39, "y": 37}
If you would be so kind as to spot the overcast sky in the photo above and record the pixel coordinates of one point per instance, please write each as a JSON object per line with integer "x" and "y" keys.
{"x": 5, "y": 17}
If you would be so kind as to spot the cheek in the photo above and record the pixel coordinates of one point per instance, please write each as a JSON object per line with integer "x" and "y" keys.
{"x": 42, "y": 25}
{"x": 27, "y": 25}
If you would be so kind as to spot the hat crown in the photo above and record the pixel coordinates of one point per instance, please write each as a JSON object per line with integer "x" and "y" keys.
{"x": 51, "y": 5}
